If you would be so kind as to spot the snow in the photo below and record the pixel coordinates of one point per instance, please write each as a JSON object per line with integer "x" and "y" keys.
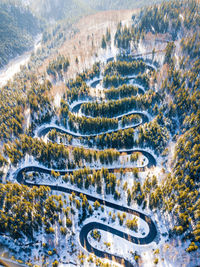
{"x": 181, "y": 16}
{"x": 12, "y": 262}
{"x": 163, "y": 221}
{"x": 77, "y": 134}
{"x": 27, "y": 118}
{"x": 89, "y": 82}
{"x": 13, "y": 67}
{"x": 15, "y": 64}
{"x": 116, "y": 242}
{"x": 57, "y": 100}
{"x": 75, "y": 103}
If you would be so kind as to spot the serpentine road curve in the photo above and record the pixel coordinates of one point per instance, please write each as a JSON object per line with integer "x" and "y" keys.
{"x": 97, "y": 225}
{"x": 47, "y": 128}
{"x": 75, "y": 107}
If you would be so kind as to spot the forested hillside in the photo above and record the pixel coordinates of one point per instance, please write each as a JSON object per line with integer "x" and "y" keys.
{"x": 103, "y": 166}
{"x": 18, "y": 27}
{"x": 58, "y": 9}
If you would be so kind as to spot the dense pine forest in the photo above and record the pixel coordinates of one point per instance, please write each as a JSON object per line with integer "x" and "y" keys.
{"x": 108, "y": 155}
{"x": 17, "y": 31}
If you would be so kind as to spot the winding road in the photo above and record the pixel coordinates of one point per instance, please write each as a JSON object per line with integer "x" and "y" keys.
{"x": 86, "y": 228}
{"x": 75, "y": 107}
{"x": 47, "y": 128}
{"x": 96, "y": 225}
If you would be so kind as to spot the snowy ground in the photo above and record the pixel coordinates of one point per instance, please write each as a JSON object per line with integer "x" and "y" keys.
{"x": 169, "y": 254}
{"x": 15, "y": 64}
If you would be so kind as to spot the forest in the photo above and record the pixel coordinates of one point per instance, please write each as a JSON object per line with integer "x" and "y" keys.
{"x": 113, "y": 108}
{"x": 158, "y": 106}
{"x": 122, "y": 92}
{"x": 72, "y": 9}
{"x": 17, "y": 31}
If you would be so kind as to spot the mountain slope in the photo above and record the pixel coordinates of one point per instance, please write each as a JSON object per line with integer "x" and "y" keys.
{"x": 59, "y": 9}
{"x": 17, "y": 29}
